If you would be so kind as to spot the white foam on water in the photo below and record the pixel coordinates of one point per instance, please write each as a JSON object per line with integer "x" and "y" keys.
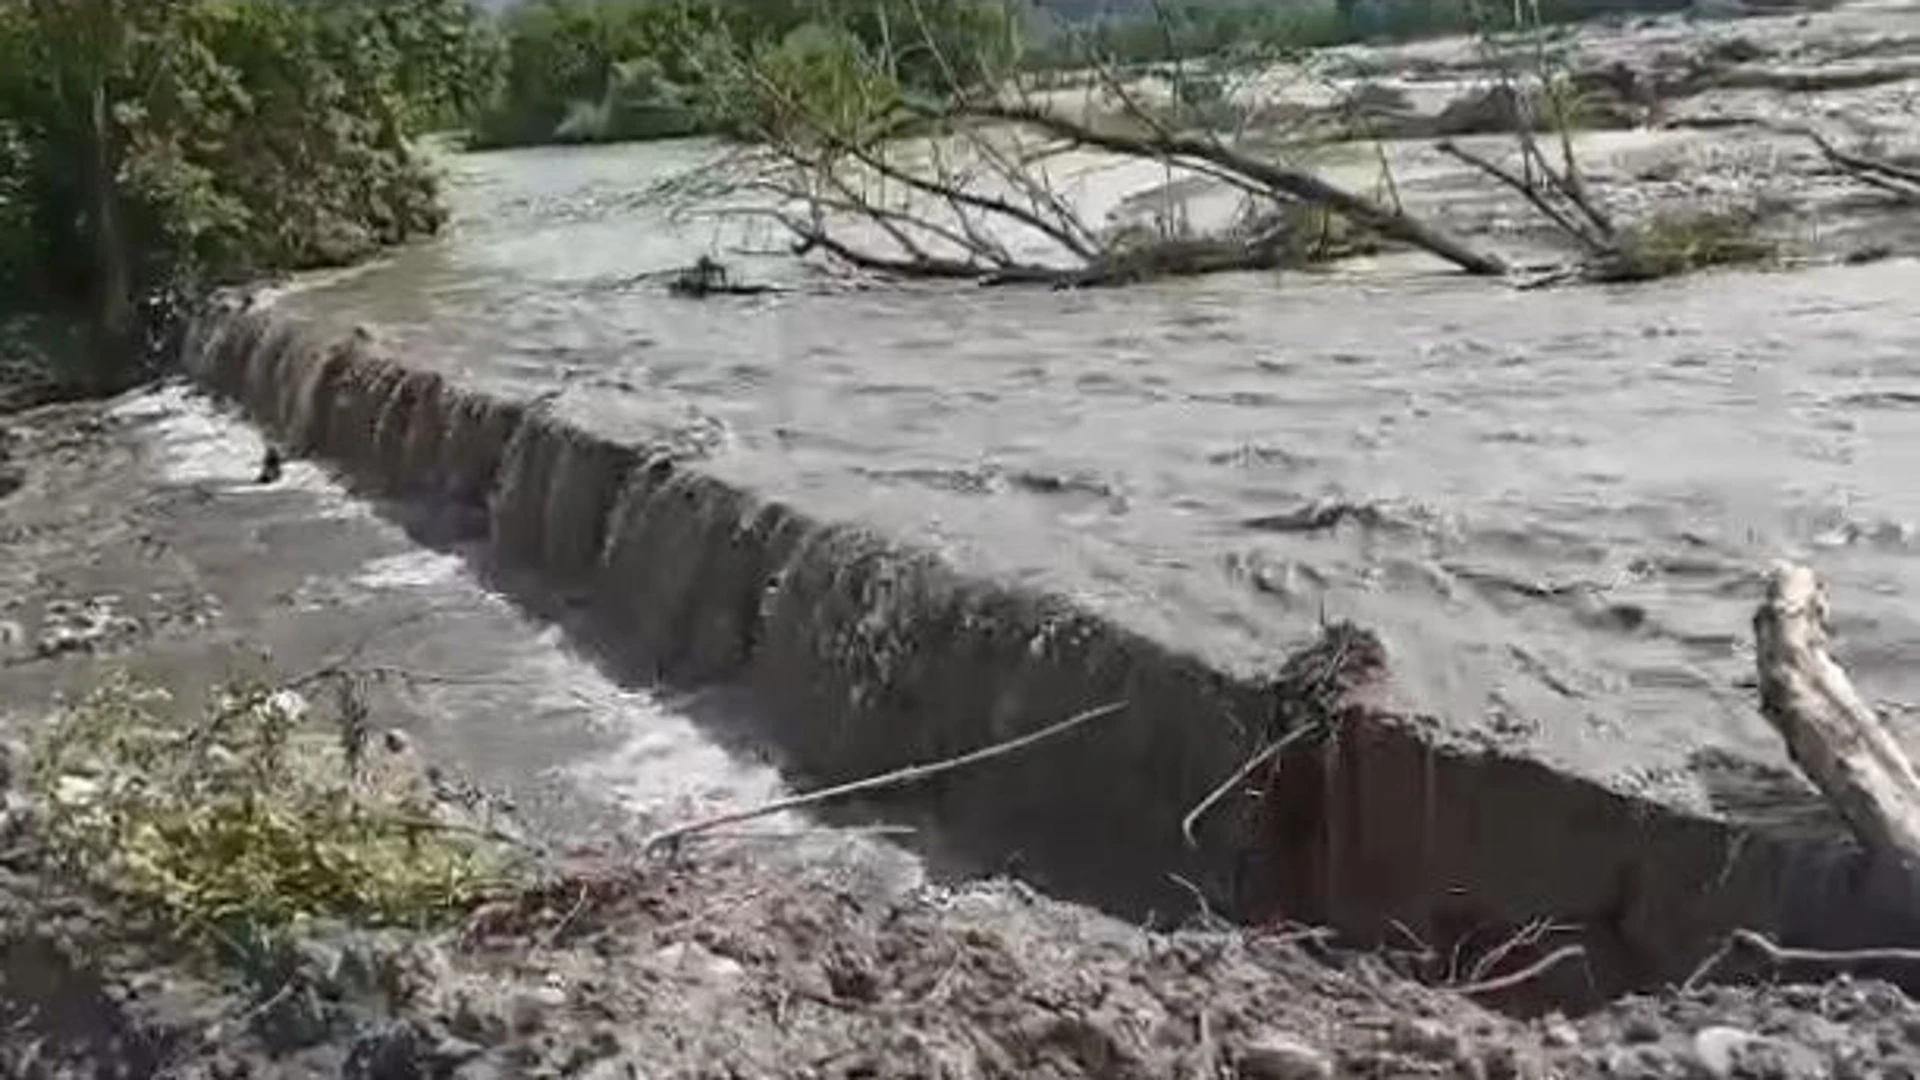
{"x": 193, "y": 442}
{"x": 411, "y": 570}
{"x": 663, "y": 769}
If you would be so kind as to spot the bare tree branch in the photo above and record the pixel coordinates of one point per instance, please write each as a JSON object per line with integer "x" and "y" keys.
{"x": 1300, "y": 185}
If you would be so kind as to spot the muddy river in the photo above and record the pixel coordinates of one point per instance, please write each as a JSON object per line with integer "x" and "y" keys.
{"x": 1554, "y": 505}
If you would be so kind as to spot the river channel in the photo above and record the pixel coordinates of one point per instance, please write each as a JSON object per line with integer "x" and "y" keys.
{"x": 1555, "y": 506}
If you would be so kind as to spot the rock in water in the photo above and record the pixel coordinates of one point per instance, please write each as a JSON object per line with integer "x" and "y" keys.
{"x": 1283, "y": 1057}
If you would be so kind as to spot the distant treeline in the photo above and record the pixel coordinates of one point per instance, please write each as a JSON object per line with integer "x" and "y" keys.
{"x": 1140, "y": 31}
{"x": 599, "y": 70}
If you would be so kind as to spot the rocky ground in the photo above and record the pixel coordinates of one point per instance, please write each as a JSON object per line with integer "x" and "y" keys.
{"x": 733, "y": 959}
{"x": 712, "y": 966}
{"x": 1674, "y": 115}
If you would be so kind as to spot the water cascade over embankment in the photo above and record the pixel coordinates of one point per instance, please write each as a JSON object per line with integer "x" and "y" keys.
{"x": 859, "y": 655}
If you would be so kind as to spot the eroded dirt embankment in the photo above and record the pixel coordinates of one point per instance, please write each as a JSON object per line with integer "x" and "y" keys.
{"x": 716, "y": 968}
{"x": 860, "y": 655}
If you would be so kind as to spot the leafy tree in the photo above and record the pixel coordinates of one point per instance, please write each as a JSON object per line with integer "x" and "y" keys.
{"x": 153, "y": 147}
{"x": 615, "y": 69}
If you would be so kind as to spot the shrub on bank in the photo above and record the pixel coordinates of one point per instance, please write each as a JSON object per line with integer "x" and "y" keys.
{"x": 238, "y": 826}
{"x": 157, "y": 146}
{"x": 614, "y": 70}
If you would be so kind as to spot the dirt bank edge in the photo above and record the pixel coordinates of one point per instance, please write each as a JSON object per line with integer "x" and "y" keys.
{"x": 861, "y": 655}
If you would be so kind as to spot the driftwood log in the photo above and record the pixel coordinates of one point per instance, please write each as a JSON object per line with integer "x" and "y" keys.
{"x": 1834, "y": 737}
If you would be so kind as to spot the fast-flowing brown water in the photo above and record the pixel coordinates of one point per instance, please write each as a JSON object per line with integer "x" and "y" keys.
{"x": 1554, "y": 505}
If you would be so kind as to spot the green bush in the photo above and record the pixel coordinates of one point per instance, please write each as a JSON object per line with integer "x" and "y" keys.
{"x": 158, "y": 146}
{"x": 246, "y": 823}
{"x": 608, "y": 70}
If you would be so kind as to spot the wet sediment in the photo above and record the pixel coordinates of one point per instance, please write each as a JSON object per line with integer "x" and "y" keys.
{"x": 862, "y": 655}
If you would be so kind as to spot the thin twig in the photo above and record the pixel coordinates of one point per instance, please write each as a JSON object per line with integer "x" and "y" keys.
{"x": 579, "y": 904}
{"x": 1207, "y": 917}
{"x": 1240, "y": 775}
{"x": 1530, "y": 191}
{"x": 669, "y": 838}
{"x": 1531, "y": 971}
{"x": 790, "y": 835}
{"x": 1781, "y": 955}
{"x": 1528, "y": 936}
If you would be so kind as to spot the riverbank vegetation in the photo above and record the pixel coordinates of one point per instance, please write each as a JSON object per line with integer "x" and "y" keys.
{"x": 1169, "y": 30}
{"x": 620, "y": 70}
{"x": 616, "y": 70}
{"x": 251, "y": 820}
{"x": 149, "y": 148}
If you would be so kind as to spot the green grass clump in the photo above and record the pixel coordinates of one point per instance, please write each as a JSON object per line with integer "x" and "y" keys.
{"x": 1670, "y": 244}
{"x": 248, "y": 823}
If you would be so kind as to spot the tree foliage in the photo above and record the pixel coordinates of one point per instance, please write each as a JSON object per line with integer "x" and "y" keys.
{"x": 591, "y": 70}
{"x": 154, "y": 146}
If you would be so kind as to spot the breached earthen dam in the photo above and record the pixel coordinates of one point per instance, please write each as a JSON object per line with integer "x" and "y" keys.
{"x": 1531, "y": 742}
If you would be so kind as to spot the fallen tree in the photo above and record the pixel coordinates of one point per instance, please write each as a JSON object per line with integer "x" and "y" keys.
{"x": 1541, "y": 94}
{"x": 1896, "y": 179}
{"x": 972, "y": 178}
{"x": 968, "y": 184}
{"x": 1832, "y": 734}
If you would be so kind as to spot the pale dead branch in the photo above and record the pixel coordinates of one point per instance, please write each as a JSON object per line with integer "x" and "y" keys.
{"x": 1835, "y": 738}
{"x": 1897, "y": 180}
{"x": 667, "y": 839}
{"x": 1281, "y": 181}
{"x": 1781, "y": 956}
{"x": 1526, "y": 974}
{"x": 1233, "y": 783}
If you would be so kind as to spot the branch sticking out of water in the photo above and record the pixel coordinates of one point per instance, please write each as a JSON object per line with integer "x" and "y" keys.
{"x": 669, "y": 839}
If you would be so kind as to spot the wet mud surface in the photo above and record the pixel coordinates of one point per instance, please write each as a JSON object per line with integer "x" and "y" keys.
{"x": 1552, "y": 505}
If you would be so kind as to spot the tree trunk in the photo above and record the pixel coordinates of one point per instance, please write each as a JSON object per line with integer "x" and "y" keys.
{"x": 113, "y": 309}
{"x": 1306, "y": 187}
{"x": 1835, "y": 738}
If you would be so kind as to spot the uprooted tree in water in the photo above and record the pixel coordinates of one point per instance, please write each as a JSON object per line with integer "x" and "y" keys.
{"x": 975, "y": 182}
{"x": 985, "y": 177}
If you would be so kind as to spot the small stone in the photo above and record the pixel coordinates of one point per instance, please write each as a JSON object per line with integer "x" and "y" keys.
{"x": 390, "y": 1054}
{"x": 1640, "y": 1028}
{"x": 1639, "y": 1063}
{"x": 686, "y": 957}
{"x": 453, "y": 1050}
{"x": 1282, "y": 1057}
{"x": 1429, "y": 1039}
{"x": 1716, "y": 1050}
{"x": 1558, "y": 1034}
{"x": 1722, "y": 1051}
{"x": 527, "y": 1011}
{"x": 472, "y": 1020}
{"x": 1508, "y": 1062}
